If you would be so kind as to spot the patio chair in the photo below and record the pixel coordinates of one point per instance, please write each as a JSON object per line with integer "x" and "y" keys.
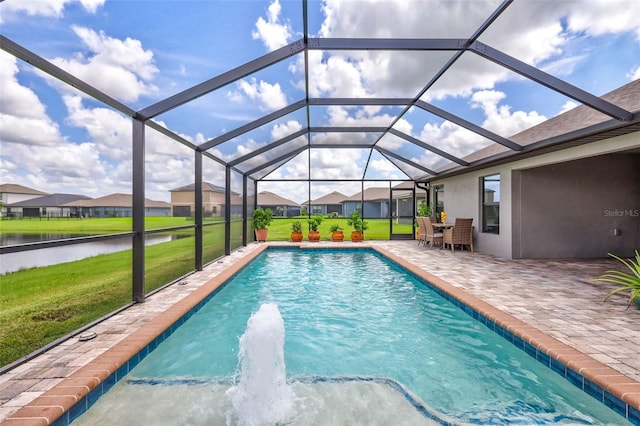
{"x": 422, "y": 237}
{"x": 431, "y": 236}
{"x": 461, "y": 233}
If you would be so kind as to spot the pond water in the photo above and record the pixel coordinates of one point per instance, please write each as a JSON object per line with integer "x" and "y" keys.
{"x": 12, "y": 262}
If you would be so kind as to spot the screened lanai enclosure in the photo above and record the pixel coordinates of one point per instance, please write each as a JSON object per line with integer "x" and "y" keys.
{"x": 297, "y": 98}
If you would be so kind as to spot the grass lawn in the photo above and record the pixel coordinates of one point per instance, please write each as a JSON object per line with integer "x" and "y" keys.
{"x": 92, "y": 226}
{"x": 280, "y": 229}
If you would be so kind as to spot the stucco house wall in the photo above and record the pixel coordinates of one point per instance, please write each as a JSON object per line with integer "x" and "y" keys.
{"x": 572, "y": 214}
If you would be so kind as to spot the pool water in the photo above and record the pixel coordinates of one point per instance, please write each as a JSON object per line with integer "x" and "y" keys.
{"x": 364, "y": 338}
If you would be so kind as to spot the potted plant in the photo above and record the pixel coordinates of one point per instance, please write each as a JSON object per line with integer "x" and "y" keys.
{"x": 296, "y": 231}
{"x": 358, "y": 224}
{"x": 261, "y": 220}
{"x": 626, "y": 281}
{"x": 336, "y": 233}
{"x": 314, "y": 222}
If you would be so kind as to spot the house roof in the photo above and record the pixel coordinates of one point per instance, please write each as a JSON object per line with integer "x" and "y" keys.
{"x": 371, "y": 194}
{"x": 116, "y": 200}
{"x": 13, "y": 188}
{"x": 266, "y": 198}
{"x": 334, "y": 197}
{"x": 52, "y": 200}
{"x": 206, "y": 186}
{"x": 573, "y": 120}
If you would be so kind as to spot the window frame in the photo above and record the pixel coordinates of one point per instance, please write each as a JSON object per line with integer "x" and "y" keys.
{"x": 488, "y": 227}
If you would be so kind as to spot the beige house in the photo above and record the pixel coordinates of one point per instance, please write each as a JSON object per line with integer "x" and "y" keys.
{"x": 213, "y": 200}
{"x": 11, "y": 193}
{"x": 280, "y": 206}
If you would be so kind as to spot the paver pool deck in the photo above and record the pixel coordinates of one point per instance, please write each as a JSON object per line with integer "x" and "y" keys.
{"x": 552, "y": 304}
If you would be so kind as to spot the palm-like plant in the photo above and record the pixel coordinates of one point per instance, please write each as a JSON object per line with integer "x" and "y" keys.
{"x": 296, "y": 226}
{"x": 314, "y": 222}
{"x": 357, "y": 222}
{"x": 627, "y": 281}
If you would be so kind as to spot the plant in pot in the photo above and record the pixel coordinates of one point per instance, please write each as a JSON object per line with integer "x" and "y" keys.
{"x": 358, "y": 224}
{"x": 296, "y": 231}
{"x": 626, "y": 281}
{"x": 314, "y": 223}
{"x": 336, "y": 233}
{"x": 261, "y": 220}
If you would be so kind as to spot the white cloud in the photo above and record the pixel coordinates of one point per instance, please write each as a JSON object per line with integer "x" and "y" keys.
{"x": 281, "y": 130}
{"x": 110, "y": 130}
{"x": 569, "y": 105}
{"x": 23, "y": 117}
{"x": 604, "y": 17}
{"x": 48, "y": 8}
{"x": 272, "y": 32}
{"x": 499, "y": 118}
{"x": 385, "y": 167}
{"x": 120, "y": 68}
{"x": 634, "y": 74}
{"x": 336, "y": 164}
{"x": 460, "y": 142}
{"x": 269, "y": 97}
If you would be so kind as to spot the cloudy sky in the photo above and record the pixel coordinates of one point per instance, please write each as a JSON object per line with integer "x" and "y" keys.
{"x": 57, "y": 139}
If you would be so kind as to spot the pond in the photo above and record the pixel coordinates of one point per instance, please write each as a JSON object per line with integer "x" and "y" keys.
{"x": 12, "y": 262}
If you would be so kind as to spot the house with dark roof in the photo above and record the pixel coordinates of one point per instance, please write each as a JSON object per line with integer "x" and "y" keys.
{"x": 329, "y": 204}
{"x": 372, "y": 203}
{"x": 52, "y": 205}
{"x": 183, "y": 200}
{"x": 280, "y": 206}
{"x": 117, "y": 205}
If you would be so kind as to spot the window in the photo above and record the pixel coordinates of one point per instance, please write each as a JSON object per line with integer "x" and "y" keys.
{"x": 491, "y": 204}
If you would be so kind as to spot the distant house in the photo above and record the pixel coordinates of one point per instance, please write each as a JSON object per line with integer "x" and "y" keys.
{"x": 183, "y": 201}
{"x": 11, "y": 193}
{"x": 327, "y": 204}
{"x": 376, "y": 203}
{"x": 280, "y": 206}
{"x": 52, "y": 205}
{"x": 118, "y": 205}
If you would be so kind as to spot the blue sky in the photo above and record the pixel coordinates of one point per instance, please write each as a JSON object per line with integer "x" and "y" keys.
{"x": 56, "y": 139}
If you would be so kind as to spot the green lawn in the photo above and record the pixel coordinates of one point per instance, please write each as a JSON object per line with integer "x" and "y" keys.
{"x": 279, "y": 230}
{"x": 89, "y": 226}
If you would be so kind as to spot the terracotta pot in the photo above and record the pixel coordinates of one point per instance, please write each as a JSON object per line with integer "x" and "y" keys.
{"x": 357, "y": 236}
{"x": 261, "y": 234}
{"x": 337, "y": 236}
{"x": 314, "y": 236}
{"x": 296, "y": 237}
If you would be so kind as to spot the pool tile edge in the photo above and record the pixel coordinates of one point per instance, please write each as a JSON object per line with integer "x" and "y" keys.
{"x": 548, "y": 350}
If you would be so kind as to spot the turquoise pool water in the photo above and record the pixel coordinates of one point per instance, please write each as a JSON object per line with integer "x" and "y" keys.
{"x": 351, "y": 318}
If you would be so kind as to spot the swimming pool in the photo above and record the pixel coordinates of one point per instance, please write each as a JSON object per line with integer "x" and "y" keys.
{"x": 356, "y": 324}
